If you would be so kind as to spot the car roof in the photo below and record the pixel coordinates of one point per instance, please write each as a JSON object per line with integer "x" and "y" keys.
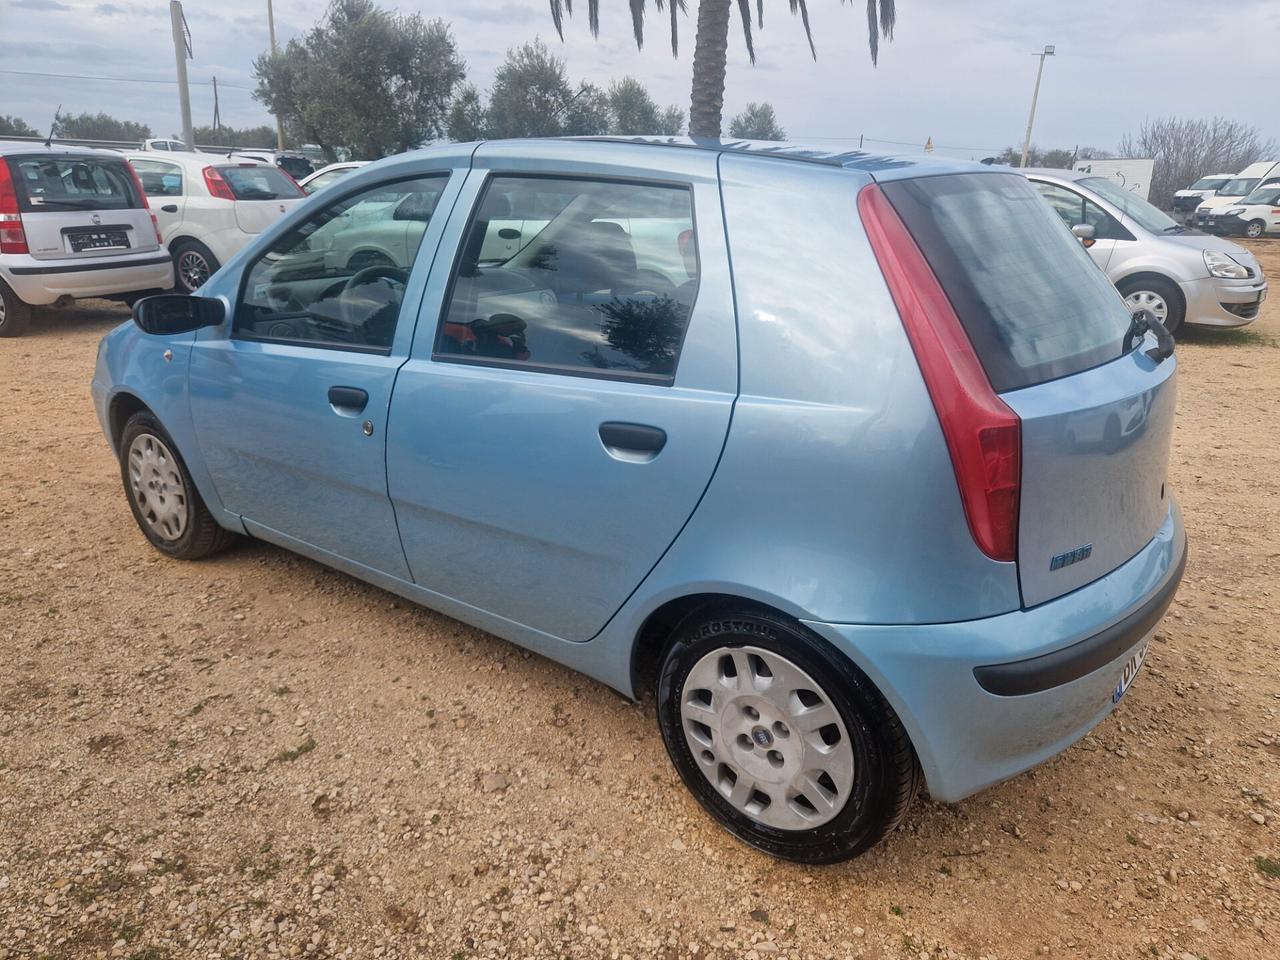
{"x": 201, "y": 160}
{"x": 1071, "y": 175}
{"x": 832, "y": 153}
{"x": 10, "y": 148}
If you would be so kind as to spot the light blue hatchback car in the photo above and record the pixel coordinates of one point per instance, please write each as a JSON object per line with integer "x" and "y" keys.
{"x": 856, "y": 462}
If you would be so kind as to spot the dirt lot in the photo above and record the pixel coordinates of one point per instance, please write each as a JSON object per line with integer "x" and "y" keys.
{"x": 256, "y": 756}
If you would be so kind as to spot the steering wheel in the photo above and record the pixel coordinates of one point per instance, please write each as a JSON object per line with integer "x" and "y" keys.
{"x": 356, "y": 310}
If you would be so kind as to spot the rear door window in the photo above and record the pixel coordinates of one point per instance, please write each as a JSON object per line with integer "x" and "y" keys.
{"x": 583, "y": 277}
{"x": 260, "y": 183}
{"x": 46, "y": 184}
{"x": 1031, "y": 300}
{"x": 159, "y": 179}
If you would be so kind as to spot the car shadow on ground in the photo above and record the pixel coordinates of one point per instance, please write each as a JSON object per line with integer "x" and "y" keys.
{"x": 99, "y": 315}
{"x": 1226, "y": 337}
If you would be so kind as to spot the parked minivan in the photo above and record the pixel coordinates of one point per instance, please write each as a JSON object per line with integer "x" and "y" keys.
{"x": 1186, "y": 201}
{"x": 856, "y": 463}
{"x": 1261, "y": 174}
{"x": 1177, "y": 274}
{"x": 74, "y": 222}
{"x": 208, "y": 207}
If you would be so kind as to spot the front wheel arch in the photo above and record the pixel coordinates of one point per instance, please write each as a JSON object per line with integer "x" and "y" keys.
{"x": 1178, "y": 300}
{"x": 123, "y": 406}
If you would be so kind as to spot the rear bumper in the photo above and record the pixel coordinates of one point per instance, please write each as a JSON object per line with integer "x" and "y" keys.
{"x": 39, "y": 282}
{"x": 984, "y": 700}
{"x": 1223, "y": 303}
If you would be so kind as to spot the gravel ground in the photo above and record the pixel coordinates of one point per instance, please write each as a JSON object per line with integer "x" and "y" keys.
{"x": 258, "y": 757}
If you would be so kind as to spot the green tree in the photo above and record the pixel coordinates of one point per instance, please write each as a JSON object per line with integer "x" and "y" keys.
{"x": 711, "y": 43}
{"x": 670, "y": 122}
{"x": 98, "y": 126}
{"x": 364, "y": 78}
{"x": 263, "y": 137}
{"x": 532, "y": 97}
{"x": 466, "y": 119}
{"x": 16, "y": 127}
{"x": 634, "y": 111}
{"x": 757, "y": 122}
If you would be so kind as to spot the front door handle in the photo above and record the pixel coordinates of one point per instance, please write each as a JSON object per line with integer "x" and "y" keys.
{"x": 636, "y": 442}
{"x": 348, "y": 400}
{"x": 170, "y": 208}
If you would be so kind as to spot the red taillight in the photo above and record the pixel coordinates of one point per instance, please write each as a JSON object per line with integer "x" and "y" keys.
{"x": 137, "y": 185}
{"x": 12, "y": 237}
{"x": 217, "y": 186}
{"x": 984, "y": 437}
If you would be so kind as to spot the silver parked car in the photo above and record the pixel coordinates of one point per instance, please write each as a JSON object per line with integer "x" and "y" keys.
{"x": 1178, "y": 274}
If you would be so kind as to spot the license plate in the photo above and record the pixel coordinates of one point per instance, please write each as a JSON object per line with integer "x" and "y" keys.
{"x": 1130, "y": 671}
{"x": 1212, "y": 223}
{"x": 98, "y": 240}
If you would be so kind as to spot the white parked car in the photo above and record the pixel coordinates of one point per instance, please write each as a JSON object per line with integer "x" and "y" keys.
{"x": 1255, "y": 216}
{"x": 1264, "y": 173}
{"x": 166, "y": 146}
{"x": 330, "y": 174}
{"x": 208, "y": 207}
{"x": 74, "y": 222}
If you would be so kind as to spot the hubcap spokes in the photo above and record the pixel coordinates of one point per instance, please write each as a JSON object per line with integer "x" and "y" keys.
{"x": 157, "y": 487}
{"x": 767, "y": 737}
{"x": 1151, "y": 302}
{"x": 193, "y": 270}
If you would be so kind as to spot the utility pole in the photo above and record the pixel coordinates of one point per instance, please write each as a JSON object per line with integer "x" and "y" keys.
{"x": 271, "y": 28}
{"x": 182, "y": 50}
{"x": 1026, "y": 144}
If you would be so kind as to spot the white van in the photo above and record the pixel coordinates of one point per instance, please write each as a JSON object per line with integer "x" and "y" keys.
{"x": 1255, "y": 175}
{"x": 74, "y": 222}
{"x": 1186, "y": 201}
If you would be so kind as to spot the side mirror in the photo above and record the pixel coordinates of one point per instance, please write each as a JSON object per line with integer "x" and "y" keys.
{"x": 1084, "y": 233}
{"x": 171, "y": 313}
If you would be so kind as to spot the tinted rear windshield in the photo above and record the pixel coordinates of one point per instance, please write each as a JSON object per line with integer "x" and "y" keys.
{"x": 46, "y": 184}
{"x": 1031, "y": 300}
{"x": 260, "y": 183}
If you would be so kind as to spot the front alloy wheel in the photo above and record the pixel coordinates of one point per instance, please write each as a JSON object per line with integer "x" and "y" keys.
{"x": 1148, "y": 300}
{"x": 1255, "y": 229}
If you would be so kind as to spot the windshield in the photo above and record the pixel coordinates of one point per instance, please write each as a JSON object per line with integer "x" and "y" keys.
{"x": 1208, "y": 183}
{"x": 1269, "y": 194}
{"x": 260, "y": 183}
{"x": 1132, "y": 205}
{"x": 1239, "y": 186}
{"x": 73, "y": 183}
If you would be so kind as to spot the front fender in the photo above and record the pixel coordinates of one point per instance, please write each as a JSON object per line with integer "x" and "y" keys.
{"x": 138, "y": 368}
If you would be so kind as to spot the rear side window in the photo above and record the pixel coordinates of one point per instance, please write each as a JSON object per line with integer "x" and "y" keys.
{"x": 1031, "y": 300}
{"x": 585, "y": 277}
{"x": 159, "y": 179}
{"x": 45, "y": 184}
{"x": 260, "y": 183}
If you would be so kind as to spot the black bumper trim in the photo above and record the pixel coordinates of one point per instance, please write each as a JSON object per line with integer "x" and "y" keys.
{"x": 1049, "y": 670}
{"x": 85, "y": 268}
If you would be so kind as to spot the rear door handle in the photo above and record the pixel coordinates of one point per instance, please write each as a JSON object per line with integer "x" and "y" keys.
{"x": 348, "y": 400}
{"x": 632, "y": 441}
{"x": 170, "y": 208}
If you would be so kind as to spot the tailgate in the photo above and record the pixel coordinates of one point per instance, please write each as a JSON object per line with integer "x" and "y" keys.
{"x": 1095, "y": 454}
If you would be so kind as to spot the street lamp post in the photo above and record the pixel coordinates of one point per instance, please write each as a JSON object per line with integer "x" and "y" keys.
{"x": 1026, "y": 144}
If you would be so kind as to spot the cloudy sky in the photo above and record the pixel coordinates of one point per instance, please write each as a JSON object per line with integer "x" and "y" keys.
{"x": 955, "y": 75}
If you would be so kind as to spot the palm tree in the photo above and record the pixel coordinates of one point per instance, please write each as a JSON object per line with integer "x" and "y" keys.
{"x": 712, "y": 43}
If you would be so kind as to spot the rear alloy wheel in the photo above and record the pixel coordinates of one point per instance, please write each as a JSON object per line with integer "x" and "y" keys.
{"x": 15, "y": 316}
{"x": 193, "y": 265}
{"x": 1157, "y": 296}
{"x": 781, "y": 739}
{"x": 1255, "y": 229}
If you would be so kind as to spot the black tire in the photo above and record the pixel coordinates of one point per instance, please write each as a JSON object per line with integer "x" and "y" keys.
{"x": 886, "y": 775}
{"x": 1255, "y": 229}
{"x": 1166, "y": 290}
{"x": 191, "y": 260}
{"x": 201, "y": 536}
{"x": 15, "y": 316}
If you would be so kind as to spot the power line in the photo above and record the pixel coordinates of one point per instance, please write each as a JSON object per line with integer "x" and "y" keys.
{"x": 77, "y": 76}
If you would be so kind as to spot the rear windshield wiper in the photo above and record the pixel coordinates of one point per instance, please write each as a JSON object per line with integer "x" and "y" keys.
{"x": 1139, "y": 323}
{"x": 256, "y": 195}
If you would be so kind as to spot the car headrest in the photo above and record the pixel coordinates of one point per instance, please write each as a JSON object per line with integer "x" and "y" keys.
{"x": 594, "y": 256}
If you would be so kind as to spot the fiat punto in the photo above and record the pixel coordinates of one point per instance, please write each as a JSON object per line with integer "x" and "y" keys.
{"x": 855, "y": 463}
